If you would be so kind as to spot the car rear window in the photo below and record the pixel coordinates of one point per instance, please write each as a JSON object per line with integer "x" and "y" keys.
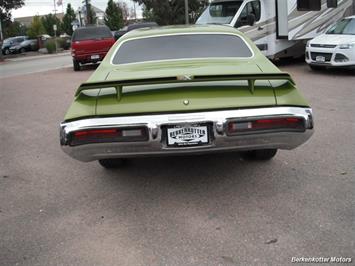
{"x": 91, "y": 33}
{"x": 185, "y": 46}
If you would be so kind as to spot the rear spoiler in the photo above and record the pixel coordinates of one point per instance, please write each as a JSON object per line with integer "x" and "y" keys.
{"x": 251, "y": 78}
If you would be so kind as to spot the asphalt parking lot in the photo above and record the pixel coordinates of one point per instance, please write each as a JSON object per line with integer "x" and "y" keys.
{"x": 201, "y": 210}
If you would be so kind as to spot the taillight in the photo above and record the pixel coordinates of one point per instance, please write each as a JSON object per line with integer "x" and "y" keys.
{"x": 108, "y": 135}
{"x": 269, "y": 124}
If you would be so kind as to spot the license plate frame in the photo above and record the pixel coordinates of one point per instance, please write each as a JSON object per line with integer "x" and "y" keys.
{"x": 187, "y": 135}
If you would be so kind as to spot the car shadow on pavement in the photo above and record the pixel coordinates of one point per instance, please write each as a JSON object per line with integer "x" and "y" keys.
{"x": 335, "y": 71}
{"x": 186, "y": 201}
{"x": 89, "y": 67}
{"x": 187, "y": 172}
{"x": 296, "y": 62}
{"x": 289, "y": 61}
{"x": 207, "y": 191}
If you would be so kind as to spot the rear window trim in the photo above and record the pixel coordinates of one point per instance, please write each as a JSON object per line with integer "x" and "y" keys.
{"x": 181, "y": 59}
{"x": 90, "y": 27}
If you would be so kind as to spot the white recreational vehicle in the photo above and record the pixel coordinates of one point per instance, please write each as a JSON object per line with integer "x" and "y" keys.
{"x": 279, "y": 28}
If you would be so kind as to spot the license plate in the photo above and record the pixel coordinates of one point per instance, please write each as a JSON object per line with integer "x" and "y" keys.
{"x": 187, "y": 136}
{"x": 320, "y": 58}
{"x": 96, "y": 56}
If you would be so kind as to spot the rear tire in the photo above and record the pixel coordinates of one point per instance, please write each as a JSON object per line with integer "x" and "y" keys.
{"x": 112, "y": 163}
{"x": 316, "y": 68}
{"x": 76, "y": 65}
{"x": 259, "y": 155}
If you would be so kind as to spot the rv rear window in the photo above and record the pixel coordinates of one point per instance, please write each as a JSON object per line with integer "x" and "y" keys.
{"x": 184, "y": 46}
{"x": 308, "y": 5}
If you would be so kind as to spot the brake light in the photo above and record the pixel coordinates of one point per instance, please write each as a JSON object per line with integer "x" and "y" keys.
{"x": 268, "y": 124}
{"x": 98, "y": 132}
{"x": 108, "y": 135}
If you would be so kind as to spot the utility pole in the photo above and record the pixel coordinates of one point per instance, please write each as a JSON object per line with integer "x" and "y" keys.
{"x": 87, "y": 11}
{"x": 55, "y": 8}
{"x": 135, "y": 11}
{"x": 1, "y": 39}
{"x": 187, "y": 12}
{"x": 55, "y": 26}
{"x": 1, "y": 36}
{"x": 80, "y": 21}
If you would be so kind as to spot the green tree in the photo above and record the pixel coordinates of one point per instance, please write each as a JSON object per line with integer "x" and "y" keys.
{"x": 6, "y": 6}
{"x": 90, "y": 15}
{"x": 68, "y": 18}
{"x": 36, "y": 28}
{"x": 125, "y": 12}
{"x": 14, "y": 29}
{"x": 48, "y": 21}
{"x": 173, "y": 11}
{"x": 113, "y": 15}
{"x": 5, "y": 14}
{"x": 148, "y": 14}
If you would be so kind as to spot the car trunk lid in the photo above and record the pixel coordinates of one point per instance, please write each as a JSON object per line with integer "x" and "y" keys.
{"x": 164, "y": 96}
{"x": 92, "y": 46}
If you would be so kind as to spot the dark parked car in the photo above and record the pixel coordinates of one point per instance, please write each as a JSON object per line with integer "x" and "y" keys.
{"x": 120, "y": 33}
{"x": 25, "y": 46}
{"x": 90, "y": 45}
{"x": 5, "y": 48}
{"x": 64, "y": 41}
{"x": 67, "y": 43}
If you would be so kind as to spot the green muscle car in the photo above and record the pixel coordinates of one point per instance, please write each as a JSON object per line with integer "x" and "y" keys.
{"x": 184, "y": 90}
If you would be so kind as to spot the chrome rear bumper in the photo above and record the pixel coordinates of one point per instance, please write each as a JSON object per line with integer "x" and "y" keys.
{"x": 156, "y": 147}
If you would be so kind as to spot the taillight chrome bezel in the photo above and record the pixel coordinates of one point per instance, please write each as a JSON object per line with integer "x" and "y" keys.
{"x": 108, "y": 135}
{"x": 257, "y": 125}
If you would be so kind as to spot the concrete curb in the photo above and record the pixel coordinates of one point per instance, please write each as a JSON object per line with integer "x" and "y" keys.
{"x": 36, "y": 57}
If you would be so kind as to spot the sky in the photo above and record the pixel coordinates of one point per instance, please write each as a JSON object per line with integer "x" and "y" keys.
{"x": 43, "y": 7}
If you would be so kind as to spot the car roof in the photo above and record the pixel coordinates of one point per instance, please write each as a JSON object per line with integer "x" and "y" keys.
{"x": 183, "y": 29}
{"x": 10, "y": 38}
{"x": 351, "y": 17}
{"x": 221, "y": 1}
{"x": 90, "y": 27}
{"x": 141, "y": 25}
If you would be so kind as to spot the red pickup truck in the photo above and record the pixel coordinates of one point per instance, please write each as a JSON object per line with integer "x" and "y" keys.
{"x": 90, "y": 45}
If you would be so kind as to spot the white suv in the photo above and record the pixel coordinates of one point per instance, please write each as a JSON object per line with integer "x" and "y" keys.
{"x": 335, "y": 48}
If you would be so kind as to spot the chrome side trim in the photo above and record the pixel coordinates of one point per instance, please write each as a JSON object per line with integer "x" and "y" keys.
{"x": 155, "y": 147}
